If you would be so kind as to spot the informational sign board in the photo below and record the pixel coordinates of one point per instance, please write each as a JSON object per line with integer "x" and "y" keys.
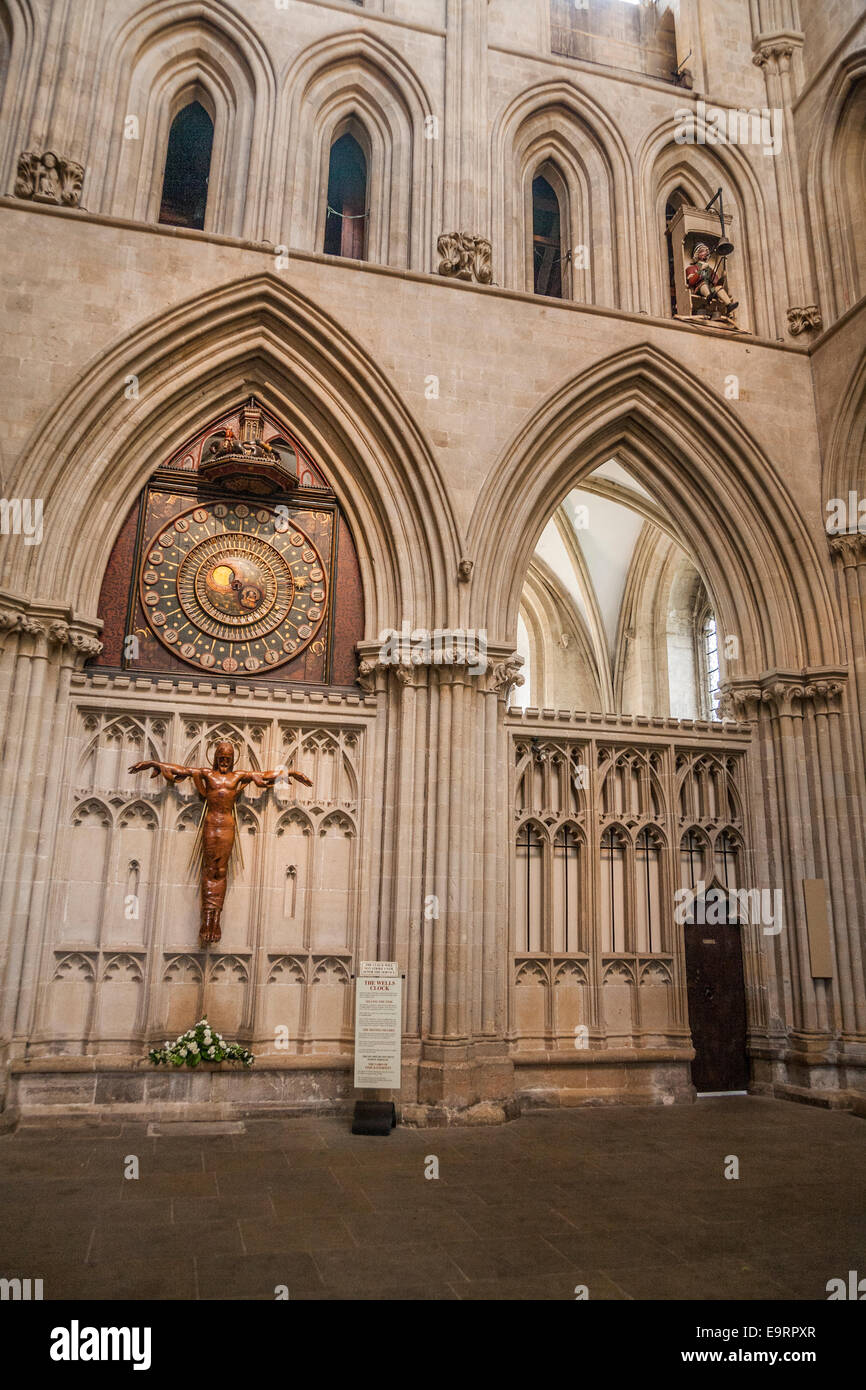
{"x": 378, "y": 1025}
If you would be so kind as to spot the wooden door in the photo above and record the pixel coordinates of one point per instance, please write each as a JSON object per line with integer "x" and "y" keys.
{"x": 717, "y": 1006}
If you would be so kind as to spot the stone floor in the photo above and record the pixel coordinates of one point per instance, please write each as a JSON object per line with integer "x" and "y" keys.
{"x": 632, "y": 1203}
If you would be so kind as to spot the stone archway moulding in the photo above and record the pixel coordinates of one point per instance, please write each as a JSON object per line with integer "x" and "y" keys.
{"x": 93, "y": 452}
{"x": 660, "y": 163}
{"x": 680, "y": 441}
{"x": 324, "y": 86}
{"x": 159, "y": 48}
{"x": 574, "y": 116}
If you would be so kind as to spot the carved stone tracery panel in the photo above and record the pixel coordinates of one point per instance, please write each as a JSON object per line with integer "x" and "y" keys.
{"x": 125, "y": 899}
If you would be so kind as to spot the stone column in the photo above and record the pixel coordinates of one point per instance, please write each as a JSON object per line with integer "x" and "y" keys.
{"x": 62, "y": 108}
{"x": 444, "y": 833}
{"x": 849, "y": 553}
{"x": 42, "y": 647}
{"x": 773, "y": 53}
{"x": 803, "y": 747}
{"x": 466, "y": 205}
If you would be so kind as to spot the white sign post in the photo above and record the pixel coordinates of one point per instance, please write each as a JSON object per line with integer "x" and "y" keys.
{"x": 378, "y": 1025}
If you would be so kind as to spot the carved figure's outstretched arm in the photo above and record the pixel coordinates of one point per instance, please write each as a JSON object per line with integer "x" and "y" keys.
{"x": 268, "y": 779}
{"x": 170, "y": 771}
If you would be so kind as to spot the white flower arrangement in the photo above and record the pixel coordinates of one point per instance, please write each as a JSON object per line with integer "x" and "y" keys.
{"x": 200, "y": 1042}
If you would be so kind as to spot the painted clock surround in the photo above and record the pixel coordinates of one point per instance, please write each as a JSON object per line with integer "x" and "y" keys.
{"x": 221, "y": 585}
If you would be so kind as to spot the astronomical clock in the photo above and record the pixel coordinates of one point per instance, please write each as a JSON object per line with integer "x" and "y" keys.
{"x": 241, "y": 563}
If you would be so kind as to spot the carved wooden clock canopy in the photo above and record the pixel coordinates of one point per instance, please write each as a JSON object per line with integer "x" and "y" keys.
{"x": 235, "y": 563}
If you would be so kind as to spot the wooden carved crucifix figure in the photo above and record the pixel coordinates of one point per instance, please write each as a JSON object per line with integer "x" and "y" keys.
{"x": 219, "y": 786}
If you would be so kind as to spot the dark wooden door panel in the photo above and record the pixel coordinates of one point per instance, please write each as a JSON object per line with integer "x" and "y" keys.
{"x": 717, "y": 1006}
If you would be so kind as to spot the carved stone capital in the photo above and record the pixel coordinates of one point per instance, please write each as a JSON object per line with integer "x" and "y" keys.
{"x": 412, "y": 673}
{"x": 801, "y": 319}
{"x": 12, "y": 619}
{"x": 49, "y": 178}
{"x": 784, "y": 693}
{"x": 506, "y": 675}
{"x": 445, "y": 656}
{"x": 774, "y": 54}
{"x": 465, "y": 257}
{"x": 58, "y": 630}
{"x": 740, "y": 701}
{"x": 849, "y": 548}
{"x": 824, "y": 694}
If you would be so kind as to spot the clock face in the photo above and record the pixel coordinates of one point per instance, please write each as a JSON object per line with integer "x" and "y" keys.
{"x": 229, "y": 587}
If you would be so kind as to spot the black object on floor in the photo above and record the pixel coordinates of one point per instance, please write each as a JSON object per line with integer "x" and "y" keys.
{"x": 374, "y": 1117}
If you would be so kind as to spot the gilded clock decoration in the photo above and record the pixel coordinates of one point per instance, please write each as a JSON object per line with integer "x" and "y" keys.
{"x": 234, "y": 589}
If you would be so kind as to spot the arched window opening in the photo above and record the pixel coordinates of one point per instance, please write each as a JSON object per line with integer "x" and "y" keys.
{"x": 648, "y": 889}
{"x": 346, "y": 217}
{"x": 529, "y": 889}
{"x": 708, "y": 661}
{"x": 726, "y": 859}
{"x": 612, "y": 891}
{"x": 566, "y": 890}
{"x": 677, "y": 200}
{"x": 187, "y": 168}
{"x": 691, "y": 859}
{"x": 546, "y": 239}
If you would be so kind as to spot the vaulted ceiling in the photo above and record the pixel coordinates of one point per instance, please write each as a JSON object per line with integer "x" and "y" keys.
{"x": 609, "y": 605}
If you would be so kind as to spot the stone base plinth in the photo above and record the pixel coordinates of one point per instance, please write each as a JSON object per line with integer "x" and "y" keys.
{"x": 91, "y": 1087}
{"x": 621, "y": 1076}
{"x": 453, "y": 1086}
{"x": 836, "y": 1080}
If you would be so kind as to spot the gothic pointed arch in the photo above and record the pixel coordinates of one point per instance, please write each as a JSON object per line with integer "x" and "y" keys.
{"x": 557, "y": 121}
{"x": 843, "y": 468}
{"x": 254, "y": 336}
{"x": 836, "y": 187}
{"x": 356, "y": 77}
{"x": 22, "y": 27}
{"x": 152, "y": 63}
{"x": 548, "y": 233}
{"x": 701, "y": 168}
{"x": 562, "y": 662}
{"x": 640, "y": 407}
{"x": 186, "y": 171}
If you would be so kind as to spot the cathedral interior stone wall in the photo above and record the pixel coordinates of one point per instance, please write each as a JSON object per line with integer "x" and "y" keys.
{"x": 444, "y": 247}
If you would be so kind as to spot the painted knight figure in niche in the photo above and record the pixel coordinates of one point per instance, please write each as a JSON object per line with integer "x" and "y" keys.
{"x": 219, "y": 786}
{"x": 710, "y": 282}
